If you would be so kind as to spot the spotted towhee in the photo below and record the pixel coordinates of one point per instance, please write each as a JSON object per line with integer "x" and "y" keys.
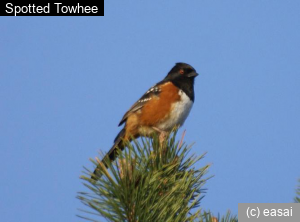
{"x": 164, "y": 106}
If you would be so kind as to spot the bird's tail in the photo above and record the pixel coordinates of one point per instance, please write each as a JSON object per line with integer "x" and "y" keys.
{"x": 112, "y": 153}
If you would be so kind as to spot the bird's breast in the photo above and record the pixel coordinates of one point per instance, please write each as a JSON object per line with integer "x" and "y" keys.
{"x": 178, "y": 113}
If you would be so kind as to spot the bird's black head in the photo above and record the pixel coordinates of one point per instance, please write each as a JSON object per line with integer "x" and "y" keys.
{"x": 182, "y": 72}
{"x": 183, "y": 75}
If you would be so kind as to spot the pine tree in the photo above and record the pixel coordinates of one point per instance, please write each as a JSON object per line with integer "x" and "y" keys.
{"x": 297, "y": 198}
{"x": 151, "y": 181}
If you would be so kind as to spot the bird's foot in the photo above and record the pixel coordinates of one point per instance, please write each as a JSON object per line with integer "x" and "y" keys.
{"x": 162, "y": 135}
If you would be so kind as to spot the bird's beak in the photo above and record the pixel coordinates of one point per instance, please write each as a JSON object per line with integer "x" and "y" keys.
{"x": 192, "y": 74}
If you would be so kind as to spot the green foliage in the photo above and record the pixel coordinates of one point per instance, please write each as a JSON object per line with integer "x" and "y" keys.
{"x": 297, "y": 198}
{"x": 208, "y": 217}
{"x": 150, "y": 182}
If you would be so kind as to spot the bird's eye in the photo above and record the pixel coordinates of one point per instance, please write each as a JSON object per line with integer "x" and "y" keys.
{"x": 181, "y": 71}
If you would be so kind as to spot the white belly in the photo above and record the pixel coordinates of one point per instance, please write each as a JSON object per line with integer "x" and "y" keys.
{"x": 180, "y": 111}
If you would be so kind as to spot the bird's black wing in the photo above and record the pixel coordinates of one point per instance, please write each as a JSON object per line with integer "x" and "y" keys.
{"x": 153, "y": 91}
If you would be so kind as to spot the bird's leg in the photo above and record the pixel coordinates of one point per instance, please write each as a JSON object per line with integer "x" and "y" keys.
{"x": 162, "y": 135}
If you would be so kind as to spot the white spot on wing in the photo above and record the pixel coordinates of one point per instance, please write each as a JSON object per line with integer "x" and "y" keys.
{"x": 153, "y": 89}
{"x": 144, "y": 100}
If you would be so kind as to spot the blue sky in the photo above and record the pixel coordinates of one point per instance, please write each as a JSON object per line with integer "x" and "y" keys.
{"x": 65, "y": 83}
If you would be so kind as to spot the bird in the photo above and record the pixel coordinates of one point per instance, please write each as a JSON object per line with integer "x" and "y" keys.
{"x": 163, "y": 107}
